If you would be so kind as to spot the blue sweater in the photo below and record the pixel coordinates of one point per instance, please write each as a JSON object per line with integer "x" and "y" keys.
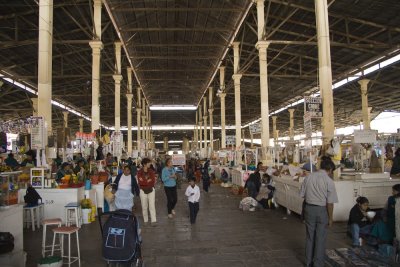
{"x": 165, "y": 176}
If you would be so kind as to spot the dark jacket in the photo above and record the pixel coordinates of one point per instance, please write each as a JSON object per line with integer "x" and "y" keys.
{"x": 135, "y": 188}
{"x": 356, "y": 216}
{"x": 255, "y": 179}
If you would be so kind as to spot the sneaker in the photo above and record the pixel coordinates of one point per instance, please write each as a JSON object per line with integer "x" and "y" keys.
{"x": 170, "y": 216}
{"x": 173, "y": 212}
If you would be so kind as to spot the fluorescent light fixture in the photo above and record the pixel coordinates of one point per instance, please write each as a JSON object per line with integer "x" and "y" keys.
{"x": 173, "y": 107}
{"x": 53, "y": 102}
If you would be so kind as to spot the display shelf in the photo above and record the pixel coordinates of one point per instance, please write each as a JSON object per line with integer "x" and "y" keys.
{"x": 37, "y": 177}
{"x": 9, "y": 186}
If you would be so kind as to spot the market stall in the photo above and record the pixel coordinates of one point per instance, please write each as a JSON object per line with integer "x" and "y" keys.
{"x": 376, "y": 189}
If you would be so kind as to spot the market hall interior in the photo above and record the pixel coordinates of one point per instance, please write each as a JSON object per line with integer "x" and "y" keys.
{"x": 232, "y": 82}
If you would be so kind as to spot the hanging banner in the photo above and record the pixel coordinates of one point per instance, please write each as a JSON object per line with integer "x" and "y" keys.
{"x": 230, "y": 140}
{"x": 307, "y": 125}
{"x": 117, "y": 143}
{"x": 255, "y": 128}
{"x": 37, "y": 133}
{"x": 313, "y": 106}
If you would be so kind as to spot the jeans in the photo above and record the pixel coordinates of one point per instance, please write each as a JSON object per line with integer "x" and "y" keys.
{"x": 356, "y": 231}
{"x": 193, "y": 210}
{"x": 316, "y": 218}
{"x": 148, "y": 203}
{"x": 172, "y": 198}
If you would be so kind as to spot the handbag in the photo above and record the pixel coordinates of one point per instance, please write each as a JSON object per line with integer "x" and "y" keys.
{"x": 6, "y": 242}
{"x": 147, "y": 190}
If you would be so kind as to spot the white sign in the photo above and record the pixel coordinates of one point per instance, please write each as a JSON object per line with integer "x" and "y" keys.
{"x": 365, "y": 136}
{"x": 38, "y": 133}
{"x": 255, "y": 128}
{"x": 313, "y": 105}
{"x": 230, "y": 140}
{"x": 117, "y": 140}
{"x": 222, "y": 154}
{"x": 307, "y": 125}
{"x": 178, "y": 159}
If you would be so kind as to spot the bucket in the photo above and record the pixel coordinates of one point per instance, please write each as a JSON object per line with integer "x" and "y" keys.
{"x": 86, "y": 215}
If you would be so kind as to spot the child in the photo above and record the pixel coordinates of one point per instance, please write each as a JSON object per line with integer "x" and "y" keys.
{"x": 359, "y": 223}
{"x": 193, "y": 194}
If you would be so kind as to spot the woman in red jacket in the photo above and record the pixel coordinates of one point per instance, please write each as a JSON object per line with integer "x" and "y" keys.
{"x": 147, "y": 178}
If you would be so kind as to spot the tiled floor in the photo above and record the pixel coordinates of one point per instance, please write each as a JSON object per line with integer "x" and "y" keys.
{"x": 222, "y": 236}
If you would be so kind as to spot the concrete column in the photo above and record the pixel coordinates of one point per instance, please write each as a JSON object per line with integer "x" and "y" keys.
{"x": 222, "y": 96}
{"x": 277, "y": 135}
{"x": 236, "y": 77}
{"x": 291, "y": 121}
{"x": 117, "y": 101}
{"x": 195, "y": 135}
{"x": 96, "y": 46}
{"x": 201, "y": 129}
{"x": 34, "y": 106}
{"x": 210, "y": 113}
{"x": 223, "y": 131}
{"x": 165, "y": 144}
{"x": 262, "y": 53}
{"x": 138, "y": 112}
{"x": 65, "y": 113}
{"x": 238, "y": 115}
{"x": 81, "y": 124}
{"x": 129, "y": 97}
{"x": 274, "y": 126}
{"x": 45, "y": 56}
{"x": 117, "y": 79}
{"x": 325, "y": 71}
{"x": 260, "y": 19}
{"x": 364, "y": 103}
{"x": 143, "y": 118}
{"x": 205, "y": 121}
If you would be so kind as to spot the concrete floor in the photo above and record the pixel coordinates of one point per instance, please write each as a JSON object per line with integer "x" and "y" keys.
{"x": 222, "y": 236}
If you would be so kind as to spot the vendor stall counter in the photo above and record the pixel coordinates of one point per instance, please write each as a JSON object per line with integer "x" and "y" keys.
{"x": 218, "y": 170}
{"x": 377, "y": 191}
{"x": 55, "y": 199}
{"x": 11, "y": 221}
{"x": 239, "y": 177}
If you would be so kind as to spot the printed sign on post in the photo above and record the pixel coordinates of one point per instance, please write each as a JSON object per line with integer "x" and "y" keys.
{"x": 365, "y": 136}
{"x": 313, "y": 106}
{"x": 230, "y": 140}
{"x": 255, "y": 128}
{"x": 307, "y": 125}
{"x": 178, "y": 159}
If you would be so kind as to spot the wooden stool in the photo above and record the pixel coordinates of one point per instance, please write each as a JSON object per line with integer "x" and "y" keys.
{"x": 31, "y": 215}
{"x": 70, "y": 209}
{"x": 45, "y": 223}
{"x": 67, "y": 230}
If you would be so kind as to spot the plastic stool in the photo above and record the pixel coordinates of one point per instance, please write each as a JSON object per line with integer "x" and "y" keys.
{"x": 65, "y": 230}
{"x": 70, "y": 209}
{"x": 31, "y": 215}
{"x": 45, "y": 223}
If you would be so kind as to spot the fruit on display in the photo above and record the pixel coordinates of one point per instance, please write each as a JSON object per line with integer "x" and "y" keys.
{"x": 86, "y": 203}
{"x": 5, "y": 168}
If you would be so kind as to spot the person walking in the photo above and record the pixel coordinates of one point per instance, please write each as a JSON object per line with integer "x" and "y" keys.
{"x": 206, "y": 176}
{"x": 319, "y": 193}
{"x": 126, "y": 187}
{"x": 193, "y": 194}
{"x": 168, "y": 177}
{"x": 147, "y": 179}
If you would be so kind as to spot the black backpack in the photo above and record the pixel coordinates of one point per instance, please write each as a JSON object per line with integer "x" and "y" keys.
{"x": 32, "y": 197}
{"x": 6, "y": 242}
